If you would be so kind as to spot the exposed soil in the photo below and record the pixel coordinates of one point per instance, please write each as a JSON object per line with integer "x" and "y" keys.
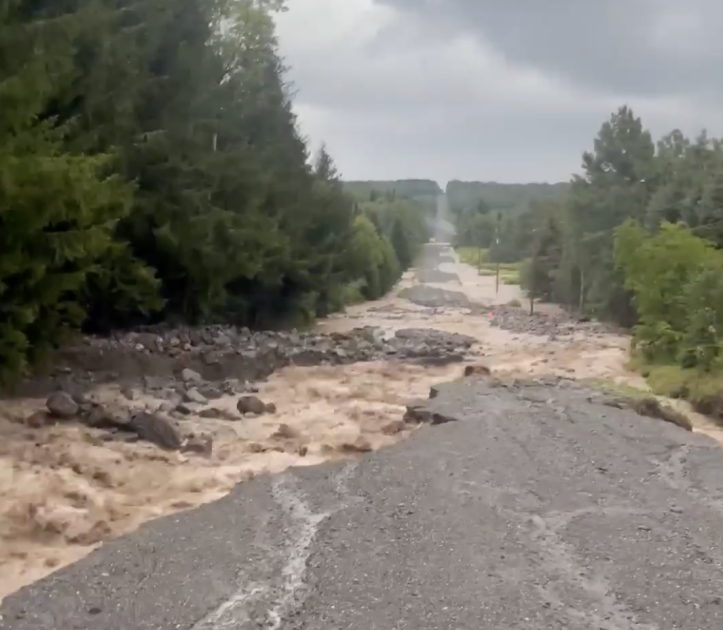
{"x": 157, "y": 421}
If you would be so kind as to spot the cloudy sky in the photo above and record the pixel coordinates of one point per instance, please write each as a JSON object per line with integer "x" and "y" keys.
{"x": 477, "y": 89}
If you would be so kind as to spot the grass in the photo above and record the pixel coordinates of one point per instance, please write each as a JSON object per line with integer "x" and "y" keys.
{"x": 703, "y": 390}
{"x": 509, "y": 272}
{"x": 510, "y": 277}
{"x": 642, "y": 402}
{"x": 515, "y": 266}
{"x": 471, "y": 255}
{"x": 618, "y": 389}
{"x": 676, "y": 382}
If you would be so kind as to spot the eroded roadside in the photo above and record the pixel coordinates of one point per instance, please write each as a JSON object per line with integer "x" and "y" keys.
{"x": 536, "y": 505}
{"x": 550, "y": 343}
{"x": 229, "y": 405}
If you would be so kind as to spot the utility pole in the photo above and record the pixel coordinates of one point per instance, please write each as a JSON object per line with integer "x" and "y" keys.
{"x": 533, "y": 273}
{"x": 497, "y": 270}
{"x": 497, "y": 245}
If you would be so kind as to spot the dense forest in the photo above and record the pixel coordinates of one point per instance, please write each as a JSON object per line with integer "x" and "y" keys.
{"x": 408, "y": 188}
{"x": 152, "y": 170}
{"x": 465, "y": 196}
{"x": 423, "y": 193}
{"x": 496, "y": 216}
{"x": 637, "y": 239}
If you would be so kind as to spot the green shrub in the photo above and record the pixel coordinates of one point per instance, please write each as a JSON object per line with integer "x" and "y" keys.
{"x": 676, "y": 280}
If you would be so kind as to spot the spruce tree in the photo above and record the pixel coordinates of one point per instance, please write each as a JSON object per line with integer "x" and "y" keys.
{"x": 57, "y": 208}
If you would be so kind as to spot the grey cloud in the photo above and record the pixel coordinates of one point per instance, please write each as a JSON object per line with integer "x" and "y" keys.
{"x": 469, "y": 143}
{"x": 411, "y": 98}
{"x": 627, "y": 47}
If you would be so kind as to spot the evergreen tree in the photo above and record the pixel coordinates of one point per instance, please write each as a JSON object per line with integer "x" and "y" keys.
{"x": 616, "y": 185}
{"x": 152, "y": 170}
{"x": 57, "y": 208}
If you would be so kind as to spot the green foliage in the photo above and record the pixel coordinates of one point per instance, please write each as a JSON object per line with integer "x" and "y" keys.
{"x": 499, "y": 217}
{"x": 152, "y": 170}
{"x": 569, "y": 240}
{"x": 540, "y": 272}
{"x": 466, "y": 196}
{"x": 637, "y": 238}
{"x": 676, "y": 279}
{"x": 474, "y": 229}
{"x": 387, "y": 238}
{"x": 402, "y": 188}
{"x": 402, "y": 223}
{"x": 474, "y": 256}
{"x": 57, "y": 208}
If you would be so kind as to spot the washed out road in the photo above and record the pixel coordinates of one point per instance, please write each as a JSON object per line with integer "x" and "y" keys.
{"x": 534, "y": 506}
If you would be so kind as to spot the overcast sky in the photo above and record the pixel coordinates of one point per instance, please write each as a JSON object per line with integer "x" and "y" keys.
{"x": 474, "y": 89}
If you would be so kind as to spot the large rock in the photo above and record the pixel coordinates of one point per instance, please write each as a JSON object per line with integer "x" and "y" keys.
{"x": 101, "y": 417}
{"x": 62, "y": 405}
{"x": 477, "y": 370}
{"x": 156, "y": 429}
{"x": 251, "y": 404}
{"x": 199, "y": 444}
{"x": 421, "y": 413}
{"x": 191, "y": 376}
{"x": 359, "y": 445}
{"x": 194, "y": 396}
{"x": 38, "y": 419}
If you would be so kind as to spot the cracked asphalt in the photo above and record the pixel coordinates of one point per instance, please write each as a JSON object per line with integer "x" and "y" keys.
{"x": 537, "y": 507}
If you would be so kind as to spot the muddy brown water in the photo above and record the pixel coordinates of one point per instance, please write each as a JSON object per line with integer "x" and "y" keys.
{"x": 63, "y": 490}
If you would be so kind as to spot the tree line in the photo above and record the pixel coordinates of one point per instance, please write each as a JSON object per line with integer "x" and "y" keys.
{"x": 496, "y": 216}
{"x": 151, "y": 169}
{"x": 637, "y": 239}
{"x": 408, "y": 188}
{"x": 464, "y": 196}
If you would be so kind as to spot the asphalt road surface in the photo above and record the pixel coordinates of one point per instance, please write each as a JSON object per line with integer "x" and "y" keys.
{"x": 536, "y": 507}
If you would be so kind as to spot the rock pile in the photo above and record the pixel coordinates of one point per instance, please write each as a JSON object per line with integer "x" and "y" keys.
{"x": 190, "y": 394}
{"x": 218, "y": 352}
{"x": 515, "y": 319}
{"x": 433, "y": 297}
{"x": 518, "y": 320}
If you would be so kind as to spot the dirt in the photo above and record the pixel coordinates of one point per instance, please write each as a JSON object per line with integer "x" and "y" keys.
{"x": 69, "y": 481}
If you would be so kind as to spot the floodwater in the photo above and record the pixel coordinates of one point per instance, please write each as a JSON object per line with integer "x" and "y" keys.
{"x": 65, "y": 489}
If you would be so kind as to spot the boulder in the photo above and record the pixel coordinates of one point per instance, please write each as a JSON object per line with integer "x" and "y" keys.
{"x": 251, "y": 404}
{"x": 157, "y": 430}
{"x": 61, "y": 405}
